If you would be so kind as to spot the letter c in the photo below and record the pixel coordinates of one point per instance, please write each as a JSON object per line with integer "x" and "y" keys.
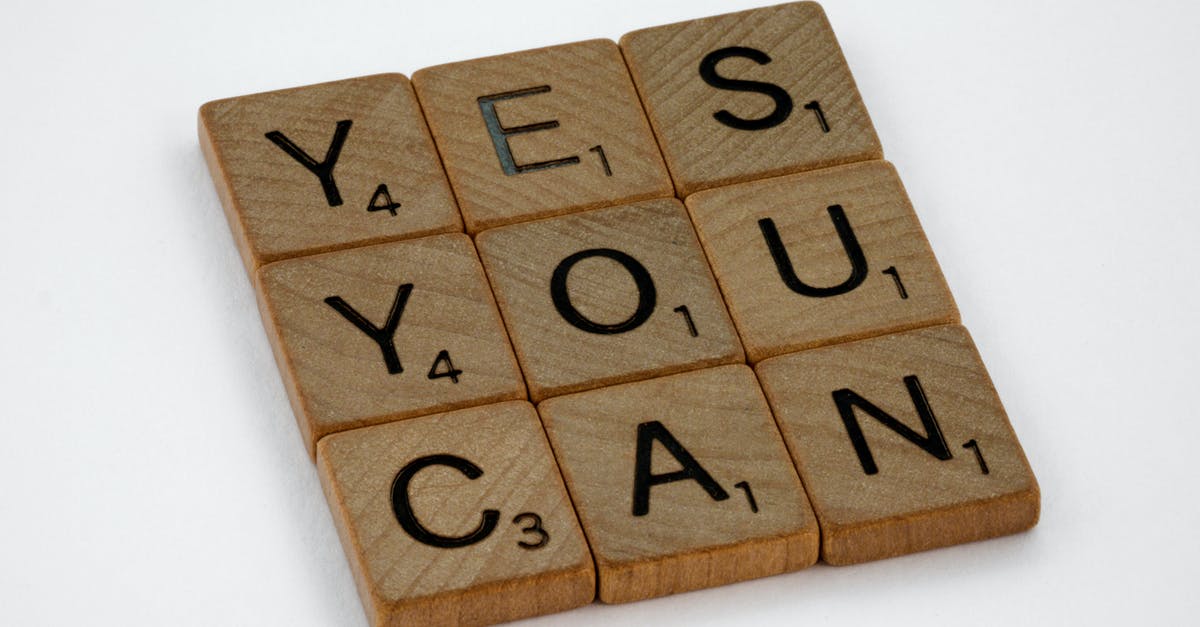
{"x": 408, "y": 520}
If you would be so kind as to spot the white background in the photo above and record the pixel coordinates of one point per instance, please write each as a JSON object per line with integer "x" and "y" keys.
{"x": 151, "y": 471}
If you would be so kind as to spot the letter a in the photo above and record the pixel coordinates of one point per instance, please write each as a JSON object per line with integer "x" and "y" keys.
{"x": 643, "y": 479}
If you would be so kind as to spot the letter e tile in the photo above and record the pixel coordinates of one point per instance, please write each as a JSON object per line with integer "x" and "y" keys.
{"x": 386, "y": 332}
{"x": 541, "y": 132}
{"x": 442, "y": 529}
{"x": 902, "y": 444}
{"x": 681, "y": 482}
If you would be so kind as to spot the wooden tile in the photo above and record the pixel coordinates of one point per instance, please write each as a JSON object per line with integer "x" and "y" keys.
{"x": 821, "y": 257}
{"x": 542, "y": 132}
{"x": 749, "y": 95}
{"x": 324, "y": 167}
{"x": 607, "y": 296}
{"x": 902, "y": 444}
{"x": 386, "y": 332}
{"x": 451, "y": 530}
{"x": 681, "y": 482}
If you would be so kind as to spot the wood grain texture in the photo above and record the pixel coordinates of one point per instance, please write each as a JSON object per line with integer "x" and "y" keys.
{"x": 278, "y": 207}
{"x": 557, "y": 356}
{"x": 590, "y": 100}
{"x": 337, "y": 375}
{"x": 915, "y": 500}
{"x": 802, "y": 57}
{"x": 403, "y": 581}
{"x": 771, "y": 316}
{"x": 687, "y": 539}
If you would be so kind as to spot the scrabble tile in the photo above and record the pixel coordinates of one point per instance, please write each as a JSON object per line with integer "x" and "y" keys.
{"x": 902, "y": 444}
{"x": 542, "y": 132}
{"x": 458, "y": 518}
{"x": 749, "y": 95}
{"x": 386, "y": 332}
{"x": 324, "y": 167}
{"x": 681, "y": 482}
{"x": 607, "y": 296}
{"x": 821, "y": 257}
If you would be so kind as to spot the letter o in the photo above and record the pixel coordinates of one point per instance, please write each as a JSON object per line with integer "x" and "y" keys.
{"x": 647, "y": 296}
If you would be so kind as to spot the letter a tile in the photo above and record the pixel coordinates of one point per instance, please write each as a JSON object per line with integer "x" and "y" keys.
{"x": 902, "y": 444}
{"x": 442, "y": 529}
{"x": 681, "y": 483}
{"x": 749, "y": 95}
{"x": 607, "y": 296}
{"x": 325, "y": 167}
{"x": 541, "y": 132}
{"x": 821, "y": 257}
{"x": 386, "y": 332}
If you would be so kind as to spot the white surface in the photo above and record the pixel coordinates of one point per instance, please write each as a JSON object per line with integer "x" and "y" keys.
{"x": 152, "y": 473}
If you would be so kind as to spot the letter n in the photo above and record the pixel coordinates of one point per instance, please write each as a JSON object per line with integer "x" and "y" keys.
{"x": 933, "y": 442}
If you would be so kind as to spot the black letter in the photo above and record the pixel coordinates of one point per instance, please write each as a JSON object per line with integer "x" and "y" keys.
{"x": 933, "y": 442}
{"x": 323, "y": 170}
{"x": 643, "y": 480}
{"x": 783, "y": 263}
{"x": 384, "y": 337}
{"x": 783, "y": 102}
{"x": 500, "y": 133}
{"x": 647, "y": 296}
{"x": 381, "y": 200}
{"x": 408, "y": 521}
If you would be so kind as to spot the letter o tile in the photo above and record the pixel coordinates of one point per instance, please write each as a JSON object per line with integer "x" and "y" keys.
{"x": 607, "y": 296}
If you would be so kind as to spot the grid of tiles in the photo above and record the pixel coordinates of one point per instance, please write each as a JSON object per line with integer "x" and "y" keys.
{"x": 685, "y": 248}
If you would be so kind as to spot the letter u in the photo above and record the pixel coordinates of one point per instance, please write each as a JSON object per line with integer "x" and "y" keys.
{"x": 787, "y": 272}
